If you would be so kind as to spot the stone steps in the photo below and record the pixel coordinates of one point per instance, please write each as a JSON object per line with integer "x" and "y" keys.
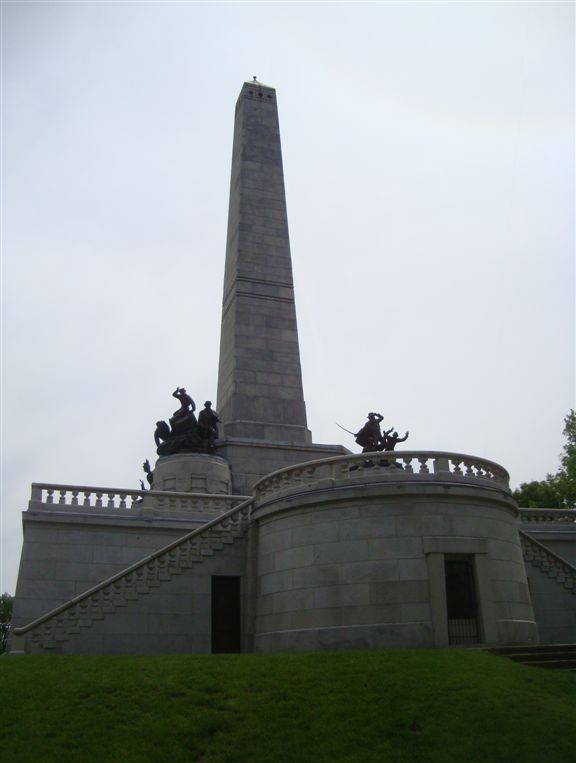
{"x": 548, "y": 562}
{"x": 47, "y": 633}
{"x": 551, "y": 656}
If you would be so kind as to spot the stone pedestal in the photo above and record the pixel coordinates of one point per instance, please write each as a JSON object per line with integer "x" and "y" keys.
{"x": 192, "y": 473}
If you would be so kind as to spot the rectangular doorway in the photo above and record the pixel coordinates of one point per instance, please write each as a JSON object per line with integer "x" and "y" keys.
{"x": 461, "y": 600}
{"x": 225, "y": 613}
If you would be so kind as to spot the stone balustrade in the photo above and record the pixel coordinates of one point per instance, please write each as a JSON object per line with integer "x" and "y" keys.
{"x": 83, "y": 498}
{"x": 552, "y": 565}
{"x": 547, "y": 516}
{"x": 397, "y": 465}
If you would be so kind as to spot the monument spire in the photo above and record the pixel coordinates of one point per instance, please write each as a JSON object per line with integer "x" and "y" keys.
{"x": 260, "y": 395}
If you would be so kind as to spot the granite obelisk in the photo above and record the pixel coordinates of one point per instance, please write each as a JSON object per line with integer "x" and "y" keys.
{"x": 260, "y": 397}
{"x": 260, "y": 394}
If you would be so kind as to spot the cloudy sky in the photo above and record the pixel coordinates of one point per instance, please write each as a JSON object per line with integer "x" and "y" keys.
{"x": 429, "y": 161}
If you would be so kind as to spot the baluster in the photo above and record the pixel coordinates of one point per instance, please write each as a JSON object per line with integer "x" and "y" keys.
{"x": 422, "y": 460}
{"x": 123, "y": 500}
{"x": 469, "y": 470}
{"x": 87, "y": 494}
{"x": 456, "y": 465}
{"x": 49, "y": 495}
{"x": 62, "y": 496}
{"x": 99, "y": 500}
{"x": 110, "y": 504}
{"x": 75, "y": 497}
{"x": 408, "y": 464}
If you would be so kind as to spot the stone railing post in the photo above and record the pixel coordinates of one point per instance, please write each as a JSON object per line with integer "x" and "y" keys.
{"x": 441, "y": 465}
{"x": 35, "y": 494}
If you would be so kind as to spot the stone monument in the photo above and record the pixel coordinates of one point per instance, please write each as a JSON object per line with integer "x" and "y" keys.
{"x": 254, "y": 538}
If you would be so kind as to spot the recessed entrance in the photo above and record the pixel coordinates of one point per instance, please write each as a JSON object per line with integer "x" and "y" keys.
{"x": 225, "y": 613}
{"x": 461, "y": 600}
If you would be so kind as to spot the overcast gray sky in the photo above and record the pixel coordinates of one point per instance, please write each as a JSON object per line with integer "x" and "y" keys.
{"x": 429, "y": 163}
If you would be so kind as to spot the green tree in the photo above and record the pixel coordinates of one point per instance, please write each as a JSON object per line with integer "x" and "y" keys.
{"x": 6, "y": 602}
{"x": 557, "y": 491}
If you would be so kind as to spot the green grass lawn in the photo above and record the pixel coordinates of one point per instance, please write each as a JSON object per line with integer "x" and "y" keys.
{"x": 353, "y": 707}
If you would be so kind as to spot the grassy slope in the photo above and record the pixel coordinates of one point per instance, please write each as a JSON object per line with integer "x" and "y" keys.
{"x": 412, "y": 706}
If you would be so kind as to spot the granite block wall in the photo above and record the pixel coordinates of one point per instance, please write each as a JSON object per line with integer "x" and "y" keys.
{"x": 353, "y": 567}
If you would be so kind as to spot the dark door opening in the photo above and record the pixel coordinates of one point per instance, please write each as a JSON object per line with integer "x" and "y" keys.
{"x": 461, "y": 600}
{"x": 225, "y": 613}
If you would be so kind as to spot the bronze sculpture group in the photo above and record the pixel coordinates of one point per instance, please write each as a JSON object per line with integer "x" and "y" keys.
{"x": 186, "y": 433}
{"x": 372, "y": 439}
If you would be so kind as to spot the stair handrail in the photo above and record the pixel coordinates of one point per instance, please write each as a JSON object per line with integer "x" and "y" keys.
{"x": 545, "y": 548}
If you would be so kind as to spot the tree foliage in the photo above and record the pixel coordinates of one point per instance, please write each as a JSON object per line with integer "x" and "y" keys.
{"x": 6, "y": 602}
{"x": 557, "y": 491}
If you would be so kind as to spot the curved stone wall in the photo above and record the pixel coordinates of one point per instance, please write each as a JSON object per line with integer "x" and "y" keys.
{"x": 193, "y": 473}
{"x": 351, "y": 553}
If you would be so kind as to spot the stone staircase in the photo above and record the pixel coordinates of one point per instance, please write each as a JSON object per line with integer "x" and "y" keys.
{"x": 552, "y": 656}
{"x": 538, "y": 555}
{"x": 48, "y": 632}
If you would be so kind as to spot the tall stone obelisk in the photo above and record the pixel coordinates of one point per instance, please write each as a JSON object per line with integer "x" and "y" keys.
{"x": 260, "y": 397}
{"x": 260, "y": 394}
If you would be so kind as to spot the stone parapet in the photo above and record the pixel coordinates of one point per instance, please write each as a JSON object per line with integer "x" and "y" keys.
{"x": 405, "y": 467}
{"x": 84, "y": 499}
{"x": 548, "y": 516}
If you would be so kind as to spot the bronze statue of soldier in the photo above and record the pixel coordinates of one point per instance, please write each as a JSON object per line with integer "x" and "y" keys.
{"x": 208, "y": 424}
{"x": 389, "y": 441}
{"x": 370, "y": 435}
